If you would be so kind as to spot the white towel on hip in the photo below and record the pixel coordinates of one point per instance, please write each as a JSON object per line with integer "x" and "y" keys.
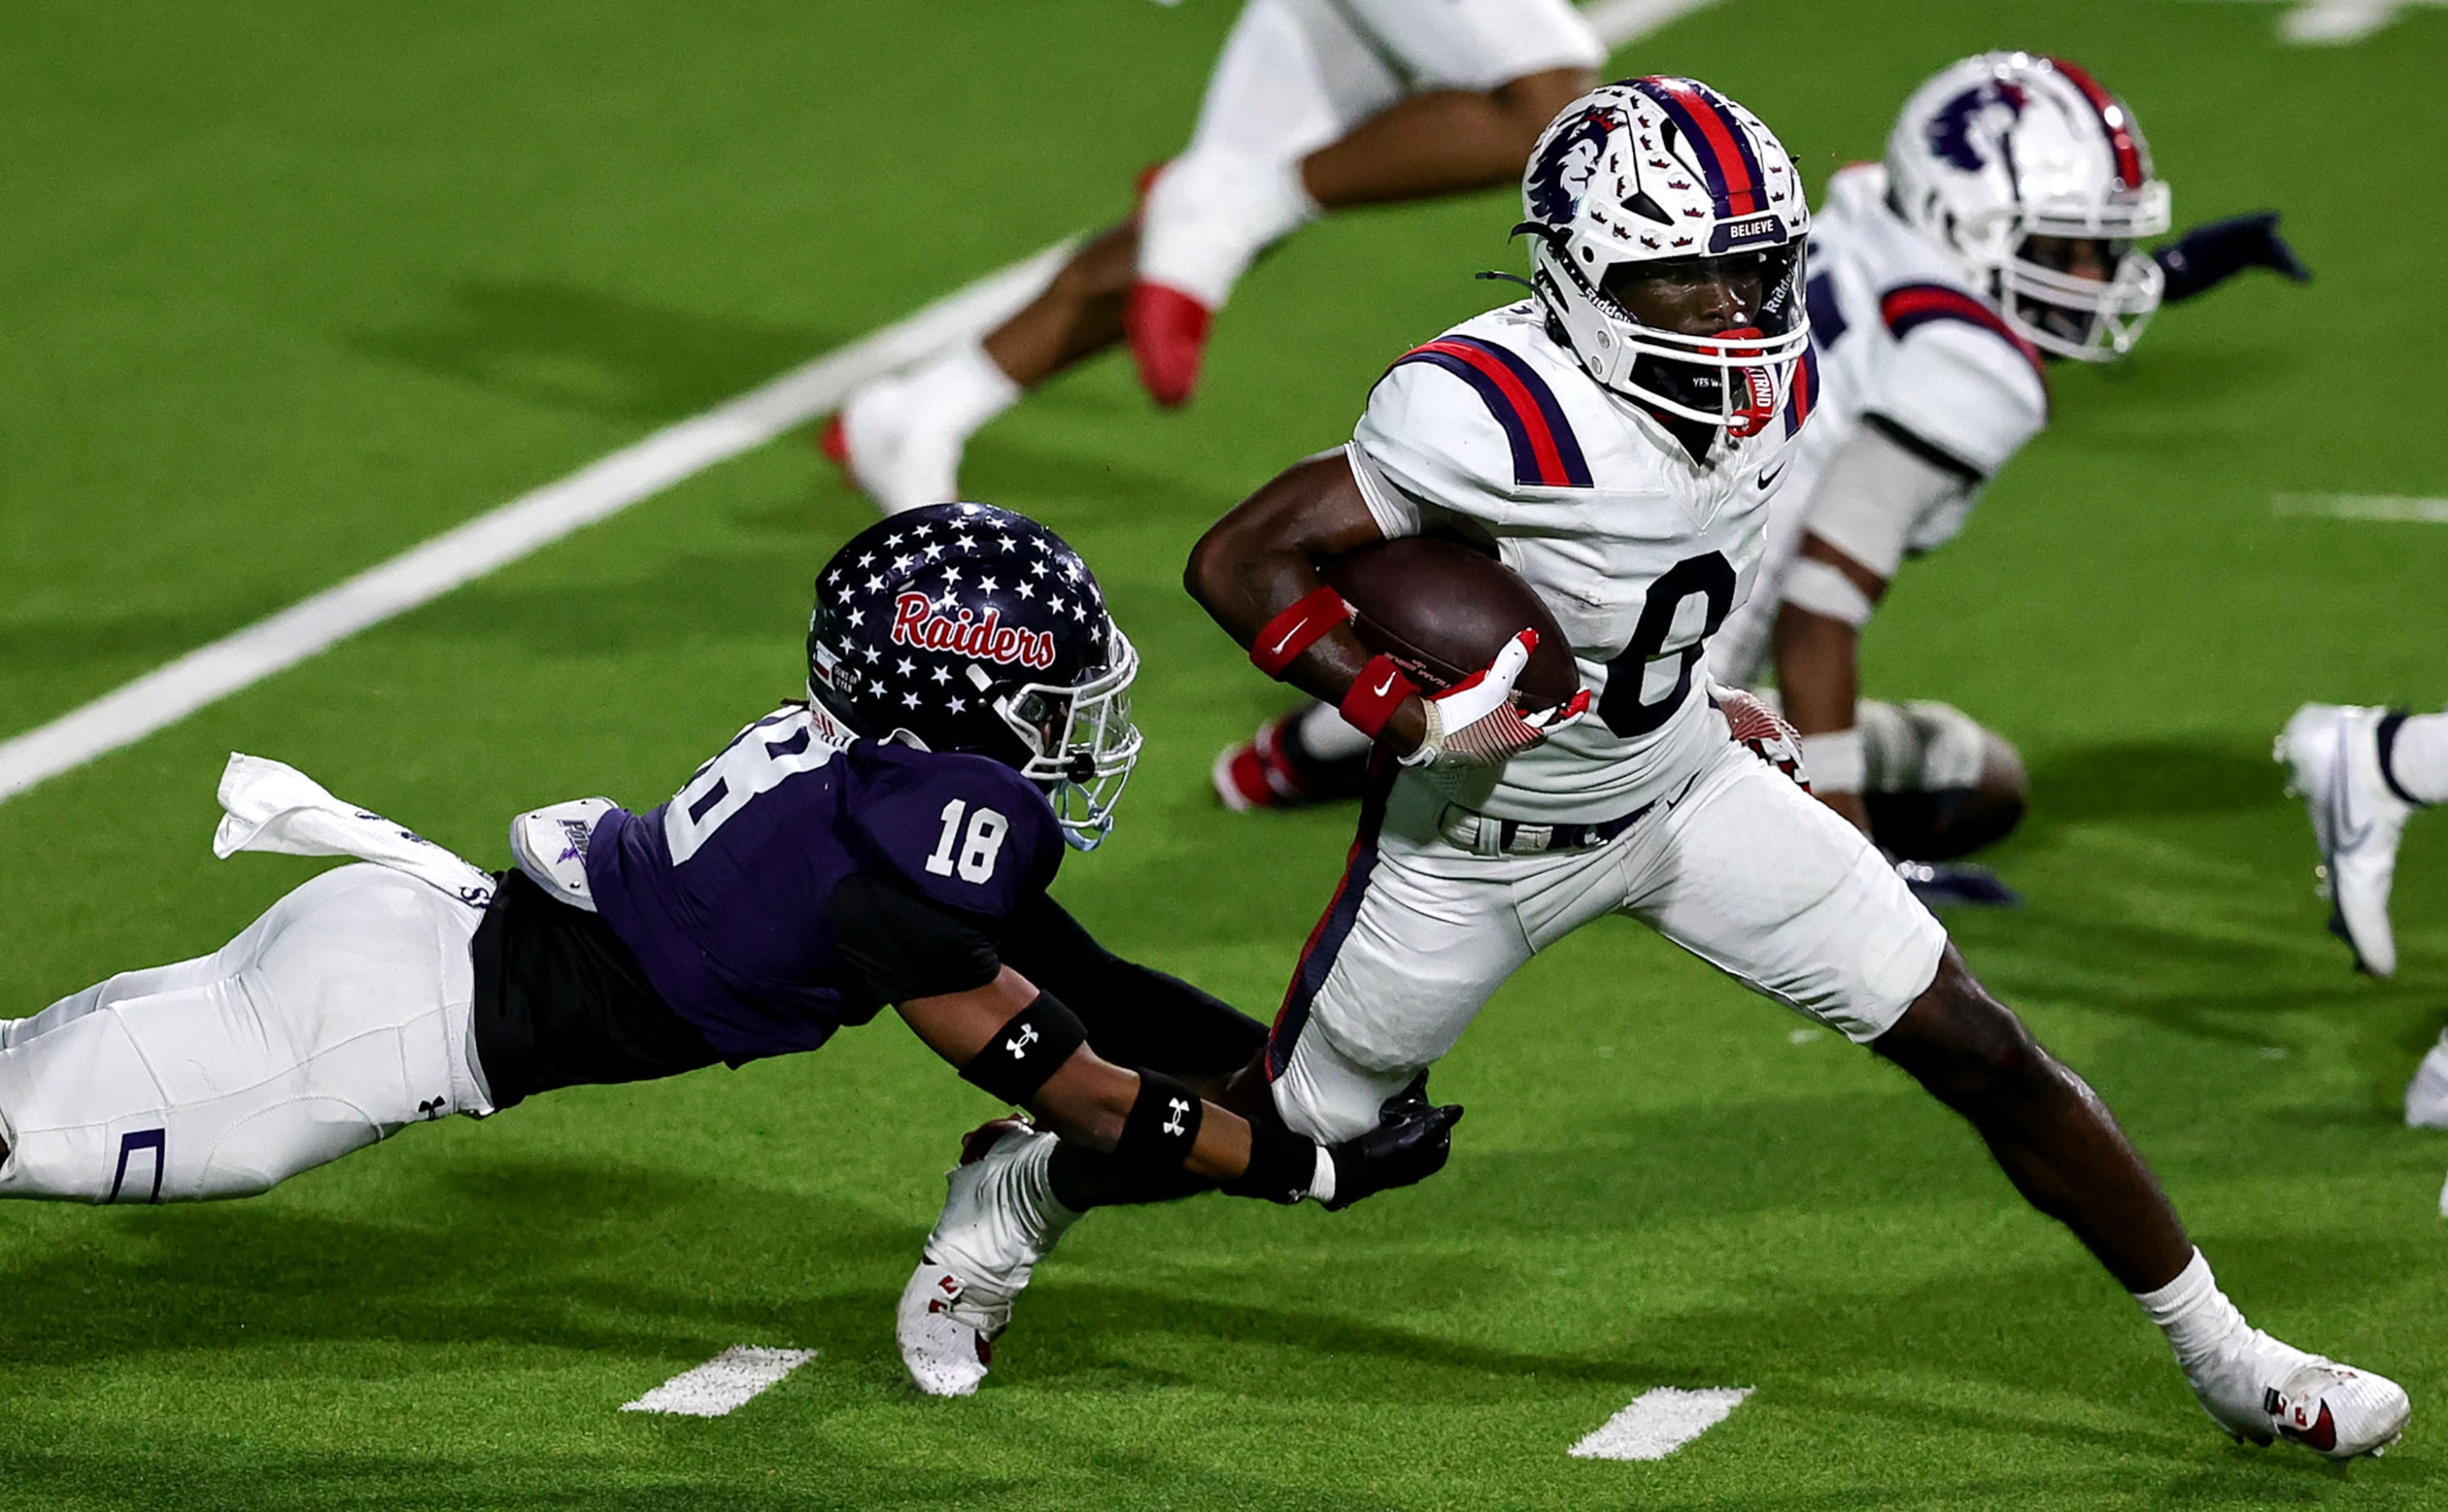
{"x": 272, "y": 807}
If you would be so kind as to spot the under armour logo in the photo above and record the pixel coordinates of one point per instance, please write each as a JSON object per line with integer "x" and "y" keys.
{"x": 1019, "y": 1043}
{"x": 434, "y": 1108}
{"x": 1180, "y": 1111}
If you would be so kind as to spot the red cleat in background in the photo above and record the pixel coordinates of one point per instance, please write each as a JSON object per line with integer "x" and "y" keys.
{"x": 1168, "y": 335}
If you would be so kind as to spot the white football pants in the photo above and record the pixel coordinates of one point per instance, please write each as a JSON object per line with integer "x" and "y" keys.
{"x": 1744, "y": 869}
{"x": 340, "y": 1016}
{"x": 1295, "y": 76}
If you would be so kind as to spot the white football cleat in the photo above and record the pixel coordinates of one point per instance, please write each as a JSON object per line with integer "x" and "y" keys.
{"x": 894, "y": 449}
{"x": 947, "y": 1330}
{"x": 2426, "y": 1095}
{"x": 1000, "y": 1218}
{"x": 2260, "y": 1389}
{"x": 2332, "y": 754}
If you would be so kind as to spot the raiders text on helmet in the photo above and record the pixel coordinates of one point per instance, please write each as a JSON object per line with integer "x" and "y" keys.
{"x": 966, "y": 627}
{"x": 1666, "y": 171}
{"x": 2007, "y": 146}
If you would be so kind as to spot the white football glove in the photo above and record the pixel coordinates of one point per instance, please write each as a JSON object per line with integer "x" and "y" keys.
{"x": 1474, "y": 723}
{"x": 1771, "y": 737}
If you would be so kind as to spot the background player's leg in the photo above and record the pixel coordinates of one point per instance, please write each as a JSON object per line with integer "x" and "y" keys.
{"x": 1936, "y": 783}
{"x": 1444, "y": 142}
{"x": 901, "y": 438}
{"x": 339, "y": 1017}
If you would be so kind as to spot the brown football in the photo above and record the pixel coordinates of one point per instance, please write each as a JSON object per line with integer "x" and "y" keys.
{"x": 1443, "y": 610}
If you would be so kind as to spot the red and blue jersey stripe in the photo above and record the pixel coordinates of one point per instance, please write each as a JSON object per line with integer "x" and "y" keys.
{"x": 2113, "y": 119}
{"x": 1545, "y": 451}
{"x": 1805, "y": 395}
{"x": 1720, "y": 145}
{"x": 1909, "y": 306}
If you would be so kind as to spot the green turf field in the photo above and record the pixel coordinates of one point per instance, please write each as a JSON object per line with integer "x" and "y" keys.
{"x": 285, "y": 289}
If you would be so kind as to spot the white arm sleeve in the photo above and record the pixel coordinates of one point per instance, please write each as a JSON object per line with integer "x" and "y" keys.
{"x": 1966, "y": 392}
{"x": 1871, "y": 495}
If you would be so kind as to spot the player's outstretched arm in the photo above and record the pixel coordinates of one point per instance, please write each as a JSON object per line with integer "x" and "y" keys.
{"x": 1021, "y": 1045}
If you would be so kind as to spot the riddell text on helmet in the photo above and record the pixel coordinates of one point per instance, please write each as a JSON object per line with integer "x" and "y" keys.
{"x": 916, "y": 623}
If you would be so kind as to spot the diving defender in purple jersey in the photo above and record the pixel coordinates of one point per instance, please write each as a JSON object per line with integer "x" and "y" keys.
{"x": 890, "y": 840}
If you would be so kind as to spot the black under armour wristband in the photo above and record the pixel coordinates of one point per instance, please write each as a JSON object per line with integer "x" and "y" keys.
{"x": 1030, "y": 1046}
{"x": 1162, "y": 1125}
{"x": 1282, "y": 1165}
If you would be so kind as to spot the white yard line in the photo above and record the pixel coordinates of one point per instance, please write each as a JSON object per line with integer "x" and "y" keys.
{"x": 1660, "y": 1421}
{"x": 722, "y": 1385}
{"x": 527, "y": 524}
{"x": 2360, "y": 507}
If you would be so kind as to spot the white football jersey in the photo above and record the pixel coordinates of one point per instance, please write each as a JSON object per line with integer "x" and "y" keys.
{"x": 1494, "y": 430}
{"x": 1901, "y": 333}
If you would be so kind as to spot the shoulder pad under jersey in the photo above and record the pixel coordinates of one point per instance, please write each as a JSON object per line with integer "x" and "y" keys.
{"x": 1466, "y": 422}
{"x": 1960, "y": 378}
{"x": 965, "y": 831}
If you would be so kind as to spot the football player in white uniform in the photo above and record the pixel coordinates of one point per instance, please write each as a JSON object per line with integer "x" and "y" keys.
{"x": 1616, "y": 439}
{"x": 1314, "y": 105}
{"x": 1998, "y": 236}
{"x": 2362, "y": 772}
{"x": 2002, "y": 234}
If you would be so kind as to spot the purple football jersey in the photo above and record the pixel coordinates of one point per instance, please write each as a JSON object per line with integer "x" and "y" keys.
{"x": 725, "y": 893}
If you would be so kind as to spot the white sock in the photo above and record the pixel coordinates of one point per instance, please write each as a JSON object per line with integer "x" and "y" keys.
{"x": 2194, "y": 1314}
{"x": 1325, "y": 734}
{"x": 2419, "y": 758}
{"x": 961, "y": 391}
{"x": 1210, "y": 213}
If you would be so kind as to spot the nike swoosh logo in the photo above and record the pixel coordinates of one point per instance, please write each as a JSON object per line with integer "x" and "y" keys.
{"x": 2322, "y": 1435}
{"x": 1767, "y": 480}
{"x": 1386, "y": 686}
{"x": 1288, "y": 638}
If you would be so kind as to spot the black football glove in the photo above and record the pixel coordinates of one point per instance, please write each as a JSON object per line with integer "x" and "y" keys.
{"x": 2210, "y": 254}
{"x": 1409, "y": 1144}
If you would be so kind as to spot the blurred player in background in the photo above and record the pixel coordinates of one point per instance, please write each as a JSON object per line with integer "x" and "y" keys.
{"x": 888, "y": 840}
{"x": 1615, "y": 438}
{"x": 1314, "y": 105}
{"x": 2000, "y": 235}
{"x": 2362, "y": 772}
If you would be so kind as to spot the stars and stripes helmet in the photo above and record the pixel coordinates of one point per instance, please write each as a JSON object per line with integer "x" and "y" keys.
{"x": 1665, "y": 171}
{"x": 2007, "y": 146}
{"x": 966, "y": 627}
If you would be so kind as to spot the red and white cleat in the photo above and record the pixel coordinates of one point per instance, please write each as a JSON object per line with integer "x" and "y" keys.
{"x": 1168, "y": 335}
{"x": 2260, "y": 1389}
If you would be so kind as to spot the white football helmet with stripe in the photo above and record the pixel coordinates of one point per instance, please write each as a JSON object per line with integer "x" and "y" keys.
{"x": 1661, "y": 170}
{"x": 2008, "y": 146}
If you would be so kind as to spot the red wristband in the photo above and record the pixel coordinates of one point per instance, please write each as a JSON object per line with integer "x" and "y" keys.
{"x": 1296, "y": 629}
{"x": 1375, "y": 695}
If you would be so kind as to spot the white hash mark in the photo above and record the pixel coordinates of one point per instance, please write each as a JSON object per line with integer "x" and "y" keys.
{"x": 722, "y": 1385}
{"x": 1660, "y": 1421}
